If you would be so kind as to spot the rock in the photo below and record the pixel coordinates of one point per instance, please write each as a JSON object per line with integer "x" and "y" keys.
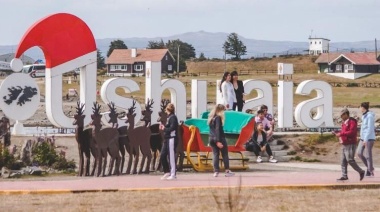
{"x": 15, "y": 175}
{"x": 35, "y": 171}
{"x": 5, "y": 172}
{"x": 26, "y": 151}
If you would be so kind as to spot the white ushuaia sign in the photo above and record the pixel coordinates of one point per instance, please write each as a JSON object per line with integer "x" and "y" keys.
{"x": 66, "y": 49}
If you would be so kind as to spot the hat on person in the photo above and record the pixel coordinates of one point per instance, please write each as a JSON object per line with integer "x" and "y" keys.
{"x": 345, "y": 110}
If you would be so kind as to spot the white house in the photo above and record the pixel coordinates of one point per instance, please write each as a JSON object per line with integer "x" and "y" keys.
{"x": 318, "y": 46}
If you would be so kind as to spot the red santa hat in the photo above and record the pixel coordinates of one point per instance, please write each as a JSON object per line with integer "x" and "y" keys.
{"x": 62, "y": 37}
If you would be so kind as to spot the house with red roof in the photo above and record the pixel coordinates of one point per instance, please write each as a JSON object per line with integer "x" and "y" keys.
{"x": 349, "y": 65}
{"x": 125, "y": 62}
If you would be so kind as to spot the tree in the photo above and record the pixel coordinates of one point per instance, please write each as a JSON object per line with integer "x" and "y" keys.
{"x": 202, "y": 57}
{"x": 100, "y": 59}
{"x": 156, "y": 44}
{"x": 116, "y": 44}
{"x": 234, "y": 46}
{"x": 186, "y": 51}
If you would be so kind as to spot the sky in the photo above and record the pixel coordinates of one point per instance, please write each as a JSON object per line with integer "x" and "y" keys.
{"x": 278, "y": 20}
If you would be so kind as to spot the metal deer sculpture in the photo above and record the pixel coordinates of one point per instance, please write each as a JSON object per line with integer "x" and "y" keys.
{"x": 123, "y": 142}
{"x": 139, "y": 139}
{"x": 106, "y": 139}
{"x": 163, "y": 117}
{"x": 158, "y": 139}
{"x": 155, "y": 138}
{"x": 83, "y": 140}
{"x": 147, "y": 113}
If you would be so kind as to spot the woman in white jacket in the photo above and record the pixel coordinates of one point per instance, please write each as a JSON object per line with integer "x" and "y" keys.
{"x": 227, "y": 90}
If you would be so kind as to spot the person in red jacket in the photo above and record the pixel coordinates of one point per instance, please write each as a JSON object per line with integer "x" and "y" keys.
{"x": 348, "y": 138}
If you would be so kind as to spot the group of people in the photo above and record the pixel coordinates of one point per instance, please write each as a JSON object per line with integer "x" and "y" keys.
{"x": 217, "y": 140}
{"x": 233, "y": 96}
{"x": 232, "y": 91}
{"x": 348, "y": 138}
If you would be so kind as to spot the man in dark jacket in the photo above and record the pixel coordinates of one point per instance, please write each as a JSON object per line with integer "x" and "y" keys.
{"x": 348, "y": 138}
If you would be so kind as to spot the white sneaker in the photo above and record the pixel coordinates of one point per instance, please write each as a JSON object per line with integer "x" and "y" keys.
{"x": 229, "y": 174}
{"x": 165, "y": 176}
{"x": 171, "y": 178}
{"x": 216, "y": 174}
{"x": 272, "y": 160}
{"x": 259, "y": 159}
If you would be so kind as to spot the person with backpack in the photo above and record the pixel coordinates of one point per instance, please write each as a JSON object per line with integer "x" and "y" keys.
{"x": 348, "y": 138}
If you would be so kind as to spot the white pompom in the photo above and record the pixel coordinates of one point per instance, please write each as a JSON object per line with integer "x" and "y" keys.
{"x": 16, "y": 65}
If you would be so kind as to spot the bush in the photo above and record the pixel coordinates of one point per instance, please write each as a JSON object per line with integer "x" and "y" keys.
{"x": 352, "y": 84}
{"x": 63, "y": 164}
{"x": 319, "y": 139}
{"x": 133, "y": 75}
{"x": 102, "y": 72}
{"x": 44, "y": 154}
{"x": 6, "y": 159}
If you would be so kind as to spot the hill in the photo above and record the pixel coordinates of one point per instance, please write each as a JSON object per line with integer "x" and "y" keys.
{"x": 211, "y": 43}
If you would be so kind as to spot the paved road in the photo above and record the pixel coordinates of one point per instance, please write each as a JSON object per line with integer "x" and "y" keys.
{"x": 281, "y": 175}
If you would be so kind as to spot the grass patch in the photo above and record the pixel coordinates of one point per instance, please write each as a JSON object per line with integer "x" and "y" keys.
{"x": 197, "y": 200}
{"x": 301, "y": 159}
{"x": 319, "y": 139}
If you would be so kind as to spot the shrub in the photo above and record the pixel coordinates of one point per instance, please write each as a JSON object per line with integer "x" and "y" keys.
{"x": 352, "y": 84}
{"x": 63, "y": 164}
{"x": 296, "y": 158}
{"x": 319, "y": 139}
{"x": 6, "y": 159}
{"x": 102, "y": 72}
{"x": 133, "y": 75}
{"x": 44, "y": 154}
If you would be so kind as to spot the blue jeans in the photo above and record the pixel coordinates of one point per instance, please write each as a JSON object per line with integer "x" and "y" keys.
{"x": 215, "y": 152}
{"x": 367, "y": 157}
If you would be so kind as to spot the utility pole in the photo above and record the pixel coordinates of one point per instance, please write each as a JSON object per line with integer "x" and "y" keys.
{"x": 328, "y": 54}
{"x": 376, "y": 49}
{"x": 178, "y": 62}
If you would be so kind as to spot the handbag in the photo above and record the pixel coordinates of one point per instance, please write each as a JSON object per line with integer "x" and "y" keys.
{"x": 249, "y": 145}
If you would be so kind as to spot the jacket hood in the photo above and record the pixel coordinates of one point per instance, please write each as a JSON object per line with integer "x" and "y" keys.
{"x": 370, "y": 113}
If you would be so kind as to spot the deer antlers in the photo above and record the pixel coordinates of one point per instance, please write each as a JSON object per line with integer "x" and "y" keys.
{"x": 79, "y": 108}
{"x": 96, "y": 108}
{"x": 164, "y": 103}
{"x": 149, "y": 104}
{"x": 112, "y": 108}
{"x": 131, "y": 110}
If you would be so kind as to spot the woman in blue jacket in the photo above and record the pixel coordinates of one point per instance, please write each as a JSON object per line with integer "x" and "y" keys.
{"x": 367, "y": 138}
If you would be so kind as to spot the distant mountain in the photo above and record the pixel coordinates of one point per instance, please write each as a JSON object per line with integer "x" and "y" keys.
{"x": 211, "y": 45}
